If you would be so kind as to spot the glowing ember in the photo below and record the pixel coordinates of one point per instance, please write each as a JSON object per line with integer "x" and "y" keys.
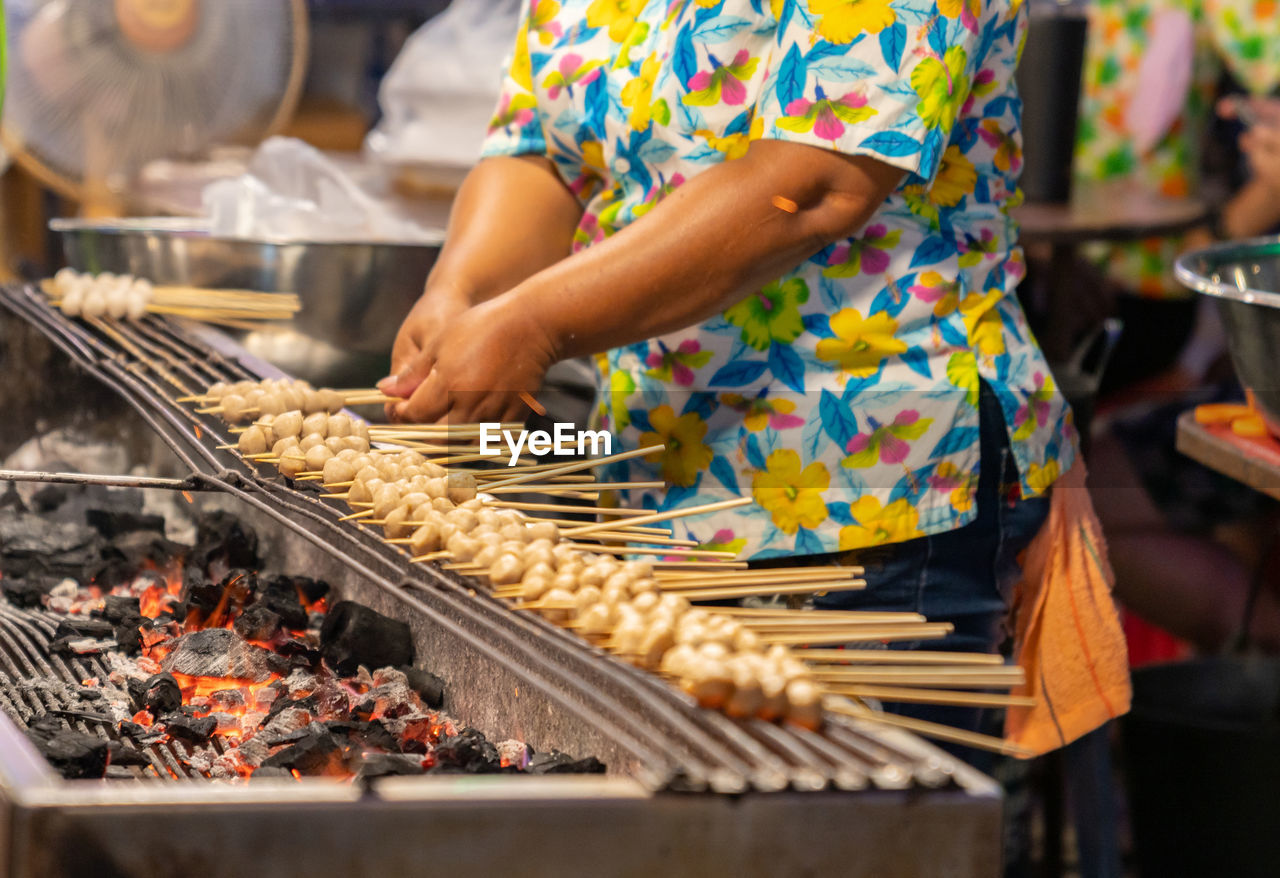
{"x": 237, "y": 672}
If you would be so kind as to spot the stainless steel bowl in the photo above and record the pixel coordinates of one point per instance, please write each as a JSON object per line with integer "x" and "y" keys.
{"x": 1244, "y": 277}
{"x": 354, "y": 295}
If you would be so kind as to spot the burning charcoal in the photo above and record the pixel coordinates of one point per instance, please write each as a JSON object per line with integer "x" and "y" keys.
{"x": 132, "y": 730}
{"x": 354, "y": 635}
{"x": 429, "y": 687}
{"x": 291, "y": 716}
{"x": 117, "y": 608}
{"x": 123, "y": 754}
{"x": 112, "y": 572}
{"x": 128, "y": 634}
{"x": 84, "y": 626}
{"x": 514, "y": 753}
{"x": 221, "y": 540}
{"x": 75, "y": 645}
{"x": 556, "y": 762}
{"x": 257, "y": 623}
{"x": 159, "y": 694}
{"x": 369, "y": 735}
{"x": 280, "y": 597}
{"x": 319, "y": 752}
{"x": 30, "y": 542}
{"x": 468, "y": 752}
{"x": 45, "y": 726}
{"x": 217, "y": 652}
{"x": 228, "y": 700}
{"x": 73, "y": 754}
{"x": 192, "y": 730}
{"x": 29, "y": 593}
{"x": 114, "y": 524}
{"x": 390, "y": 765}
{"x": 299, "y": 652}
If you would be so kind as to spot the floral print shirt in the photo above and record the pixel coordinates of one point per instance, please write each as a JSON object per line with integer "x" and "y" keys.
{"x": 1240, "y": 36}
{"x": 843, "y": 396}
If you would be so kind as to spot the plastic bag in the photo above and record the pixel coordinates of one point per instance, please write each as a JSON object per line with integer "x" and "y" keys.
{"x": 292, "y": 192}
{"x": 440, "y": 93}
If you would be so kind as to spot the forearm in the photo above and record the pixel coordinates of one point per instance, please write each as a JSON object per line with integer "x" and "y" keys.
{"x": 1253, "y": 210}
{"x": 713, "y": 241}
{"x": 512, "y": 217}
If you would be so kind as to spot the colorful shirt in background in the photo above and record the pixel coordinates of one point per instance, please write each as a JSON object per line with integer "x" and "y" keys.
{"x": 843, "y": 396}
{"x": 1240, "y": 36}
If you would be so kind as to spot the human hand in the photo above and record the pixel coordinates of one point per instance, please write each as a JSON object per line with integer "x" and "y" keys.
{"x": 416, "y": 342}
{"x": 1260, "y": 142}
{"x": 477, "y": 367}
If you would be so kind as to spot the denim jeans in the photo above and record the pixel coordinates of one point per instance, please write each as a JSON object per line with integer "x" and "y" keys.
{"x": 964, "y": 576}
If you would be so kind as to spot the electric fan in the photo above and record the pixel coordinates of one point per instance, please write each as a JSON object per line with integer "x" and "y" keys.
{"x": 99, "y": 88}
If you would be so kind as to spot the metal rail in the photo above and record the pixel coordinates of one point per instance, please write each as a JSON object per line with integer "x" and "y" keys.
{"x": 188, "y": 484}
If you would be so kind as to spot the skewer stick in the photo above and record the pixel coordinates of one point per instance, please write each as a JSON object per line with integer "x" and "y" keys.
{"x": 540, "y": 488}
{"x": 694, "y": 565}
{"x": 635, "y": 550}
{"x": 577, "y": 466}
{"x": 745, "y": 591}
{"x": 894, "y": 656}
{"x": 834, "y": 615}
{"x": 944, "y": 677}
{"x": 867, "y": 634}
{"x": 845, "y": 707}
{"x": 752, "y": 577}
{"x": 814, "y": 620}
{"x": 664, "y": 516}
{"x": 790, "y": 573}
{"x": 628, "y": 537}
{"x": 566, "y": 509}
{"x": 903, "y": 694}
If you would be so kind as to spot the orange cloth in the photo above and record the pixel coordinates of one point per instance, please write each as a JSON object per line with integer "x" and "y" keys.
{"x": 1067, "y": 634}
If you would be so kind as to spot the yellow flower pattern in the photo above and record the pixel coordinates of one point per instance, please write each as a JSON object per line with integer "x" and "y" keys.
{"x": 793, "y": 496}
{"x": 842, "y": 393}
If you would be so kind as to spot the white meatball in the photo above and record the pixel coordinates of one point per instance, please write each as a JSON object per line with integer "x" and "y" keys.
{"x": 95, "y": 302}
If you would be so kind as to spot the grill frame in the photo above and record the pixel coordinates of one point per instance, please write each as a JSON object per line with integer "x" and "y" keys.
{"x": 696, "y": 751}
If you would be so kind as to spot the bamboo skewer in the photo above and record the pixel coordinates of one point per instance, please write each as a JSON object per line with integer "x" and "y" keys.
{"x": 673, "y": 582}
{"x": 937, "y": 731}
{"x": 664, "y": 516}
{"x": 869, "y": 634}
{"x": 815, "y": 620}
{"x": 507, "y": 488}
{"x": 746, "y": 591}
{"x": 577, "y": 466}
{"x": 898, "y": 656}
{"x": 908, "y": 695}
{"x": 834, "y": 615}
{"x": 566, "y": 509}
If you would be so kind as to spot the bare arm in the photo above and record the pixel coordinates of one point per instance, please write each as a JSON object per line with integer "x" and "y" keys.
{"x": 715, "y": 240}
{"x": 512, "y": 217}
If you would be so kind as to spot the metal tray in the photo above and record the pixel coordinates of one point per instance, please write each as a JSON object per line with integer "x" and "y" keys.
{"x": 354, "y": 295}
{"x": 1244, "y": 276}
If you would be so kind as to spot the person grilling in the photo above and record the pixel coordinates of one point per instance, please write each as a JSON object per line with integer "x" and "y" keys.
{"x": 782, "y": 229}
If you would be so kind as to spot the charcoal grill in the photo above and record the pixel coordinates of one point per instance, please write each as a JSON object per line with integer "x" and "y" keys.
{"x": 689, "y": 791}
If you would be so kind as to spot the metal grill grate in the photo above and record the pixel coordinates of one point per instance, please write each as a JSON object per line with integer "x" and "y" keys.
{"x": 153, "y": 361}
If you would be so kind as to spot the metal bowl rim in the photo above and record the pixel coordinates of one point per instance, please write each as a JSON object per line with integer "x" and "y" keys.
{"x": 1228, "y": 251}
{"x": 184, "y": 227}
